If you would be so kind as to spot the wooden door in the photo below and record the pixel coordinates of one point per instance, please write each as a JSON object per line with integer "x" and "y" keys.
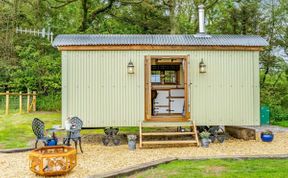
{"x": 161, "y": 103}
{"x": 177, "y": 105}
{"x": 148, "y": 87}
{"x": 177, "y": 97}
{"x": 162, "y": 98}
{"x": 186, "y": 87}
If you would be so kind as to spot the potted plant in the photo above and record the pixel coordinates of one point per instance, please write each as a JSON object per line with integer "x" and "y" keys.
{"x": 267, "y": 136}
{"x": 131, "y": 142}
{"x": 205, "y": 141}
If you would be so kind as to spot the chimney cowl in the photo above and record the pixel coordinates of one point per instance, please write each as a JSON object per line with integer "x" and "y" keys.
{"x": 201, "y": 15}
{"x": 201, "y": 18}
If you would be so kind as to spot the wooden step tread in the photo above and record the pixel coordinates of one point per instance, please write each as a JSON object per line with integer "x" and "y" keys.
{"x": 166, "y": 124}
{"x": 167, "y": 133}
{"x": 158, "y": 142}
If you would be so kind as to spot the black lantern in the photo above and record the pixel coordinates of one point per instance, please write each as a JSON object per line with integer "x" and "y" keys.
{"x": 202, "y": 67}
{"x": 130, "y": 67}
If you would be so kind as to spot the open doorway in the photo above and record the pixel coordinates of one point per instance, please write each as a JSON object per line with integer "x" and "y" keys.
{"x": 166, "y": 88}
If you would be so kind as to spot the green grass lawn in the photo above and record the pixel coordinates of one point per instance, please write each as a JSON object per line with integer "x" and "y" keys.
{"x": 252, "y": 168}
{"x": 16, "y": 131}
{"x": 283, "y": 123}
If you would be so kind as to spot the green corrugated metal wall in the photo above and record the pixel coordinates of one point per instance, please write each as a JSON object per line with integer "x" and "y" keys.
{"x": 97, "y": 88}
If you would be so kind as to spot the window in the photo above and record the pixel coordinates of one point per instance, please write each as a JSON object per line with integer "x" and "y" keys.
{"x": 170, "y": 76}
{"x": 155, "y": 77}
{"x": 164, "y": 76}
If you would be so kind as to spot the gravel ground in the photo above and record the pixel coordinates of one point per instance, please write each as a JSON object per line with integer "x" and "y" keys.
{"x": 273, "y": 128}
{"x": 98, "y": 159}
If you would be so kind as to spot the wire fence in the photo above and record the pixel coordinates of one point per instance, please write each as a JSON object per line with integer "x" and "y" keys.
{"x": 17, "y": 102}
{"x": 13, "y": 104}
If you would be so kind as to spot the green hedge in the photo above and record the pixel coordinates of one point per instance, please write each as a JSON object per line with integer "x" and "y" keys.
{"x": 50, "y": 102}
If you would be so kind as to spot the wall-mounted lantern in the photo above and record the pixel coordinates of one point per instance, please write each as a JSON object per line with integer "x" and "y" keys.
{"x": 202, "y": 67}
{"x": 130, "y": 67}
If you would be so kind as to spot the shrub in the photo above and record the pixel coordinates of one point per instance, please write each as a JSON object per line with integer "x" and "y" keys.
{"x": 50, "y": 102}
{"x": 267, "y": 132}
{"x": 204, "y": 135}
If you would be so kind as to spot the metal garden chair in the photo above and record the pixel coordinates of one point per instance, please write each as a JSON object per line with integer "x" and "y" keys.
{"x": 74, "y": 132}
{"x": 38, "y": 128}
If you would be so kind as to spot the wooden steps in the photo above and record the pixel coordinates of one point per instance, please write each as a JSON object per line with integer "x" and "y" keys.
{"x": 165, "y": 127}
{"x": 166, "y": 124}
{"x": 167, "y": 133}
{"x": 170, "y": 142}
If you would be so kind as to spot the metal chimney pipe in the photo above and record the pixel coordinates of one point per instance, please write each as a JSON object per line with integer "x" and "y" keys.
{"x": 201, "y": 19}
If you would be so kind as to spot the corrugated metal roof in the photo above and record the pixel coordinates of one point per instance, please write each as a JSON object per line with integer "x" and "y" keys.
{"x": 170, "y": 40}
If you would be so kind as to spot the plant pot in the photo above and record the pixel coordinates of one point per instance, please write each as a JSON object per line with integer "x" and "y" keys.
{"x": 52, "y": 142}
{"x": 132, "y": 144}
{"x": 212, "y": 138}
{"x": 205, "y": 142}
{"x": 267, "y": 138}
{"x": 221, "y": 138}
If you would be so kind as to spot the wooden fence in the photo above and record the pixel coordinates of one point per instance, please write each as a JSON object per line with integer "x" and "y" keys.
{"x": 31, "y": 104}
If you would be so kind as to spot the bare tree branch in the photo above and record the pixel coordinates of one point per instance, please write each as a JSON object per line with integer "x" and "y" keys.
{"x": 131, "y": 2}
{"x": 7, "y": 2}
{"x": 64, "y": 3}
{"x": 208, "y": 6}
{"x": 165, "y": 3}
{"x": 277, "y": 79}
{"x": 101, "y": 10}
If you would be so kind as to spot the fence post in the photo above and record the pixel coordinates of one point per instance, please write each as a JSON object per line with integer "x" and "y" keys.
{"x": 20, "y": 102}
{"x": 28, "y": 101}
{"x": 34, "y": 101}
{"x": 7, "y": 103}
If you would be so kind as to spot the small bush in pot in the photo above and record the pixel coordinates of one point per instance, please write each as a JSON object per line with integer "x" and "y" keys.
{"x": 205, "y": 141}
{"x": 131, "y": 142}
{"x": 267, "y": 136}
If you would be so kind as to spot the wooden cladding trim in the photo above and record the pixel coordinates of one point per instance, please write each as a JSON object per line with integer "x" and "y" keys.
{"x": 158, "y": 47}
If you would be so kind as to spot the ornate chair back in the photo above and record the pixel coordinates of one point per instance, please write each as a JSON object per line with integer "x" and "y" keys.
{"x": 76, "y": 123}
{"x": 38, "y": 128}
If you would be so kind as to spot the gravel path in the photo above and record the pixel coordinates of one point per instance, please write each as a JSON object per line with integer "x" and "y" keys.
{"x": 98, "y": 159}
{"x": 273, "y": 128}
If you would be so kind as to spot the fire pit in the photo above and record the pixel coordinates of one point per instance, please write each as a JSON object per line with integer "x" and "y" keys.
{"x": 52, "y": 160}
